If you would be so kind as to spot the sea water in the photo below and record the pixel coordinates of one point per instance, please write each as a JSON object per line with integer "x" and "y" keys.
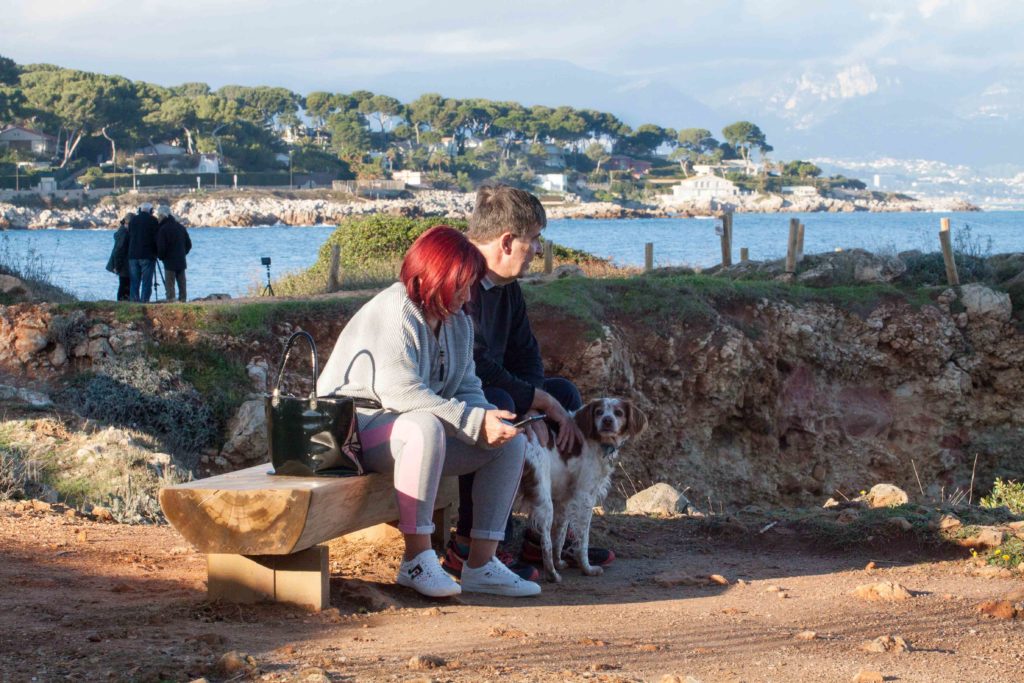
{"x": 227, "y": 260}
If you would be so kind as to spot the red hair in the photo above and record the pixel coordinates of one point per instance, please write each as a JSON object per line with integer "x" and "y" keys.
{"x": 438, "y": 264}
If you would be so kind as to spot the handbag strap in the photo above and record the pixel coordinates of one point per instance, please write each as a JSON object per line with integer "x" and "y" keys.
{"x": 301, "y": 334}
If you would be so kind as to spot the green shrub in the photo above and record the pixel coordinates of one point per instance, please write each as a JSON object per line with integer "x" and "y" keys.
{"x": 1010, "y": 554}
{"x": 1009, "y": 494}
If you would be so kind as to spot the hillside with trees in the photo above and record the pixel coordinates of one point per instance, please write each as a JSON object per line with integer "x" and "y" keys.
{"x": 98, "y": 127}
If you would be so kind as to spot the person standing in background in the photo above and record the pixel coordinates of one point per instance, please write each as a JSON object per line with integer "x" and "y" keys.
{"x": 118, "y": 261}
{"x": 172, "y": 244}
{"x": 142, "y": 252}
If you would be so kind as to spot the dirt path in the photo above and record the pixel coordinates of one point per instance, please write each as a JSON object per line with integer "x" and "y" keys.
{"x": 84, "y": 600}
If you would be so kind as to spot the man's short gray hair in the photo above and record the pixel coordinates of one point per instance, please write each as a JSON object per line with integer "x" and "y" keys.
{"x": 163, "y": 211}
{"x": 503, "y": 208}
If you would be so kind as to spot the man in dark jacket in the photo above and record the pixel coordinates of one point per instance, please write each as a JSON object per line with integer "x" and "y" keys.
{"x": 172, "y": 244}
{"x": 505, "y": 226}
{"x": 142, "y": 252}
{"x": 118, "y": 262}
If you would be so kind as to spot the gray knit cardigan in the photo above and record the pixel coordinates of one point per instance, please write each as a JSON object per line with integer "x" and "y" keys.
{"x": 386, "y": 352}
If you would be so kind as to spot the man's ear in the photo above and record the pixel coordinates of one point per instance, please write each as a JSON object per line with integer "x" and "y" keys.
{"x": 506, "y": 242}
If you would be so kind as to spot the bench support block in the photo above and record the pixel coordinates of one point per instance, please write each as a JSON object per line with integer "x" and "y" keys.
{"x": 301, "y": 578}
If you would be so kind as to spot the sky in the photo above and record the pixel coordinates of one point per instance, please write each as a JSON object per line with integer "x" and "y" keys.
{"x": 800, "y": 61}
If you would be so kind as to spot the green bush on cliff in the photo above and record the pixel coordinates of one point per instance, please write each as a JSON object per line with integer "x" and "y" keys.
{"x": 371, "y": 249}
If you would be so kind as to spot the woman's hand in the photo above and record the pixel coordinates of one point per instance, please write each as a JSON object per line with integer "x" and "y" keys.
{"x": 494, "y": 432}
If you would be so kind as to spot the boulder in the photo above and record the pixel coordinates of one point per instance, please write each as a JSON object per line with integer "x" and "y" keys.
{"x": 982, "y": 302}
{"x": 660, "y": 499}
{"x": 247, "y": 444}
{"x": 886, "y": 496}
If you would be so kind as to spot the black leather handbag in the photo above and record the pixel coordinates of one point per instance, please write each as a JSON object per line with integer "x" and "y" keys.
{"x": 312, "y": 435}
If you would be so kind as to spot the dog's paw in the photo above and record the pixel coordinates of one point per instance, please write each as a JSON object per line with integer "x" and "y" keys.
{"x": 553, "y": 577}
{"x": 561, "y": 564}
{"x": 592, "y": 571}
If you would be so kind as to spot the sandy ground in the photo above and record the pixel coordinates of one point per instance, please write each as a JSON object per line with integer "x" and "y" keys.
{"x": 91, "y": 601}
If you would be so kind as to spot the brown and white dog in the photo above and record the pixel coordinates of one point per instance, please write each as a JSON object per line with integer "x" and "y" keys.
{"x": 561, "y": 490}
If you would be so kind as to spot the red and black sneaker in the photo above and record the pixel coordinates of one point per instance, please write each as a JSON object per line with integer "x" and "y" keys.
{"x": 599, "y": 557}
{"x": 456, "y": 554}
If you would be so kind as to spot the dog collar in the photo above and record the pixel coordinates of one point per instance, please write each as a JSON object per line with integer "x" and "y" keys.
{"x": 607, "y": 449}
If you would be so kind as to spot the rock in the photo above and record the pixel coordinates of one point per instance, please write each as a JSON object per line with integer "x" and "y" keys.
{"x": 660, "y": 499}
{"x": 848, "y": 516}
{"x": 102, "y": 514}
{"x": 234, "y": 663}
{"x": 900, "y": 523}
{"x": 12, "y": 285}
{"x": 59, "y": 356}
{"x": 247, "y": 443}
{"x": 868, "y": 676}
{"x": 885, "y": 495}
{"x": 999, "y": 609}
{"x": 258, "y": 373}
{"x": 883, "y": 591}
{"x": 35, "y": 399}
{"x": 893, "y": 644}
{"x": 982, "y": 302}
{"x": 806, "y": 635}
{"x": 949, "y": 523}
{"x": 987, "y": 537}
{"x": 421, "y": 662}
{"x": 99, "y": 348}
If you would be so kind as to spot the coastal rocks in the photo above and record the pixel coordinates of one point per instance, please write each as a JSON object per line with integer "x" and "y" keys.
{"x": 858, "y": 265}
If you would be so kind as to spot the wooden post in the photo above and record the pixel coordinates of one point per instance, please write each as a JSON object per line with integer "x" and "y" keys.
{"x": 946, "y": 240}
{"x": 800, "y": 244}
{"x": 648, "y": 257}
{"x": 726, "y": 238}
{"x": 744, "y": 254}
{"x": 333, "y": 279}
{"x": 549, "y": 257}
{"x": 794, "y": 230}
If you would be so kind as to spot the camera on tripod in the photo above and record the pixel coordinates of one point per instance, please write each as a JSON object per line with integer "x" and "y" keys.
{"x": 268, "y": 290}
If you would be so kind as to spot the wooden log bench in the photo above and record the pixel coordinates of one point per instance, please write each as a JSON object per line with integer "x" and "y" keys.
{"x": 264, "y": 535}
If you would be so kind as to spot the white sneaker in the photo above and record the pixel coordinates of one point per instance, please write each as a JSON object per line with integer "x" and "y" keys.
{"x": 423, "y": 574}
{"x": 497, "y": 579}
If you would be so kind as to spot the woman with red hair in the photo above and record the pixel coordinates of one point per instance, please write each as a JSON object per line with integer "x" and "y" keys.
{"x": 410, "y": 351}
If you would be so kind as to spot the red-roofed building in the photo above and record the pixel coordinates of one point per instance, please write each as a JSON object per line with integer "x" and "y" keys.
{"x": 621, "y": 162}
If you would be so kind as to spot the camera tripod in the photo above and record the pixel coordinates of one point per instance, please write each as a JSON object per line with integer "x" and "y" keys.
{"x": 268, "y": 290}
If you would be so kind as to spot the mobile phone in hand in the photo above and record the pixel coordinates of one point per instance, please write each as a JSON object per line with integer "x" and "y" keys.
{"x": 525, "y": 421}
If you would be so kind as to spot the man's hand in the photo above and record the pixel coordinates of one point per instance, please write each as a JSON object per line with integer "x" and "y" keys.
{"x": 494, "y": 432}
{"x": 537, "y": 430}
{"x": 568, "y": 433}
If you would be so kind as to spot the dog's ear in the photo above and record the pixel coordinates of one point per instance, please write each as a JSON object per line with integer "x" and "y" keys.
{"x": 636, "y": 420}
{"x": 584, "y": 418}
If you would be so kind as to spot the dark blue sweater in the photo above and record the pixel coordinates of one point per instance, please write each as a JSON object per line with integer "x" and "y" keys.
{"x": 505, "y": 351}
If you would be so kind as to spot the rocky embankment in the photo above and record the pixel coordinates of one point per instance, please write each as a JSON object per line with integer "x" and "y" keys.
{"x": 761, "y": 400}
{"x": 216, "y": 211}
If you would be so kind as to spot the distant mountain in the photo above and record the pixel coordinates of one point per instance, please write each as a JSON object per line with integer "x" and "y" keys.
{"x": 857, "y": 111}
{"x": 530, "y": 82}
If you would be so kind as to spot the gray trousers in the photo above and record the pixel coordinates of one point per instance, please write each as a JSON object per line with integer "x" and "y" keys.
{"x": 416, "y": 449}
{"x": 170, "y": 278}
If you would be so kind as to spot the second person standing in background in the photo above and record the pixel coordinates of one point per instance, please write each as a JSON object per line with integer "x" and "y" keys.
{"x": 172, "y": 245}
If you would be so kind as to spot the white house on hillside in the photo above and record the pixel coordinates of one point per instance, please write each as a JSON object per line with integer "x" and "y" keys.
{"x": 27, "y": 140}
{"x": 551, "y": 182}
{"x": 703, "y": 187}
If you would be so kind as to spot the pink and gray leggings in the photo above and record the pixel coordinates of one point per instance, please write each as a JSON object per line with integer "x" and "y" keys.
{"x": 415, "y": 447}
